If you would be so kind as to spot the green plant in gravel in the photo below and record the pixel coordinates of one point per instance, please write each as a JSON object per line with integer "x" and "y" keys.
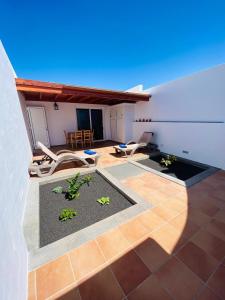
{"x": 67, "y": 213}
{"x": 168, "y": 160}
{"x": 104, "y": 200}
{"x": 75, "y": 183}
{"x": 58, "y": 190}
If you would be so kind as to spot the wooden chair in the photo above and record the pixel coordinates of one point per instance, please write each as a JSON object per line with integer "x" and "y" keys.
{"x": 78, "y": 138}
{"x": 67, "y": 137}
{"x": 88, "y": 137}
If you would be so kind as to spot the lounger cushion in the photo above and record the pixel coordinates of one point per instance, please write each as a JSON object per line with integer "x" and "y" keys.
{"x": 123, "y": 146}
{"x": 89, "y": 152}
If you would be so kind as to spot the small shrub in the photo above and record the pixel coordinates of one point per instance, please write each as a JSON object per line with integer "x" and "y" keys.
{"x": 58, "y": 190}
{"x": 104, "y": 200}
{"x": 75, "y": 183}
{"x": 67, "y": 213}
{"x": 168, "y": 160}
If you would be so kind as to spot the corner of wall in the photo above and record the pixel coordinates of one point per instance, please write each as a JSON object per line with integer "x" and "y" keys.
{"x": 17, "y": 155}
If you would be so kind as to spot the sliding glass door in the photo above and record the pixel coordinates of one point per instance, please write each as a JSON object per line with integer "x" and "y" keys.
{"x": 90, "y": 119}
{"x": 83, "y": 119}
{"x": 96, "y": 122}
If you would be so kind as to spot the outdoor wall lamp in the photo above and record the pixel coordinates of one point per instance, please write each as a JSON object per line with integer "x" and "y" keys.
{"x": 56, "y": 107}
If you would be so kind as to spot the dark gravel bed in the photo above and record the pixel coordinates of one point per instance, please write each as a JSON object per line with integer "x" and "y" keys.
{"x": 89, "y": 211}
{"x": 179, "y": 169}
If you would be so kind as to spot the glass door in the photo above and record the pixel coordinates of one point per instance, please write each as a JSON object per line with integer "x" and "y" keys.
{"x": 90, "y": 119}
{"x": 97, "y": 124}
{"x": 83, "y": 119}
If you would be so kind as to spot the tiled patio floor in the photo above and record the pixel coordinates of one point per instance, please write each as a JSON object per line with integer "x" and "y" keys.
{"x": 105, "y": 149}
{"x": 174, "y": 251}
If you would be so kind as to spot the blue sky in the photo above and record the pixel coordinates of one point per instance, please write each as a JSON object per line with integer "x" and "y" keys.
{"x": 112, "y": 44}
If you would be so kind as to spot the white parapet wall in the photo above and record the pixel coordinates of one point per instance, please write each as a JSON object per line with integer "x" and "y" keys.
{"x": 15, "y": 153}
{"x": 188, "y": 117}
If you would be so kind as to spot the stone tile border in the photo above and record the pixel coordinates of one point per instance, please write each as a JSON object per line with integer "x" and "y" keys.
{"x": 39, "y": 256}
{"x": 124, "y": 171}
{"x": 187, "y": 183}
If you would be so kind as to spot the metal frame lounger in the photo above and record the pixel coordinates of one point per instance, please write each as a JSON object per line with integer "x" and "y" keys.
{"x": 50, "y": 161}
{"x": 131, "y": 146}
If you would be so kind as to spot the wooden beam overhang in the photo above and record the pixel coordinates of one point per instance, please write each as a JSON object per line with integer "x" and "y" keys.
{"x": 45, "y": 91}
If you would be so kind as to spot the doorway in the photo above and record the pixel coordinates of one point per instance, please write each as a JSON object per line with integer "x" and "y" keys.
{"x": 90, "y": 119}
{"x": 38, "y": 124}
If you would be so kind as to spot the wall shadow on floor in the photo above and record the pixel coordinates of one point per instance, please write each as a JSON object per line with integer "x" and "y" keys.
{"x": 187, "y": 266}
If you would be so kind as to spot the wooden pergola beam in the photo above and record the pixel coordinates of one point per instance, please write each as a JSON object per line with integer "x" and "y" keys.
{"x": 75, "y": 92}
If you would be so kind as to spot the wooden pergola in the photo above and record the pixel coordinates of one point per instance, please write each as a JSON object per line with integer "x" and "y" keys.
{"x": 53, "y": 92}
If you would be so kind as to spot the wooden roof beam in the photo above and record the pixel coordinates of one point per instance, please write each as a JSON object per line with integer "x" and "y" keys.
{"x": 24, "y": 85}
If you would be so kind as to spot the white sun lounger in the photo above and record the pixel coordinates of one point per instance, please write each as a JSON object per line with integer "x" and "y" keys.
{"x": 131, "y": 146}
{"x": 50, "y": 161}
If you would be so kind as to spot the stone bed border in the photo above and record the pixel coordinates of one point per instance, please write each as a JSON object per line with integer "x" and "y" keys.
{"x": 187, "y": 183}
{"x": 39, "y": 256}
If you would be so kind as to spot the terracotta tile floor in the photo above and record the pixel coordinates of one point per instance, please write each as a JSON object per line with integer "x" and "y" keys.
{"x": 174, "y": 251}
{"x": 105, "y": 149}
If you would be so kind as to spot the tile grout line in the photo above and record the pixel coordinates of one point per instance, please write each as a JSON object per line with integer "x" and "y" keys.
{"x": 198, "y": 293}
{"x": 164, "y": 223}
{"x": 71, "y": 266}
{"x": 98, "y": 268}
{"x": 81, "y": 279}
{"x": 120, "y": 252}
{"x": 71, "y": 284}
{"x": 109, "y": 266}
{"x": 92, "y": 272}
{"x": 204, "y": 287}
{"x": 145, "y": 265}
{"x": 205, "y": 283}
{"x": 35, "y": 284}
{"x": 177, "y": 258}
{"x": 87, "y": 275}
{"x": 147, "y": 236}
{"x": 150, "y": 231}
{"x": 190, "y": 240}
{"x": 175, "y": 252}
{"x": 67, "y": 286}
{"x": 162, "y": 287}
{"x": 213, "y": 273}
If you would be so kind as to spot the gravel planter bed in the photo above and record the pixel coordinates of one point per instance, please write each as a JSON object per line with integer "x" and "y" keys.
{"x": 180, "y": 169}
{"x": 88, "y": 209}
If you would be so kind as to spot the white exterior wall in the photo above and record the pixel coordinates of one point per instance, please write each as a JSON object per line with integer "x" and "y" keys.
{"x": 26, "y": 118}
{"x": 200, "y": 97}
{"x": 124, "y": 114}
{"x": 65, "y": 119}
{"x": 128, "y": 119}
{"x": 116, "y": 113}
{"x": 15, "y": 154}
